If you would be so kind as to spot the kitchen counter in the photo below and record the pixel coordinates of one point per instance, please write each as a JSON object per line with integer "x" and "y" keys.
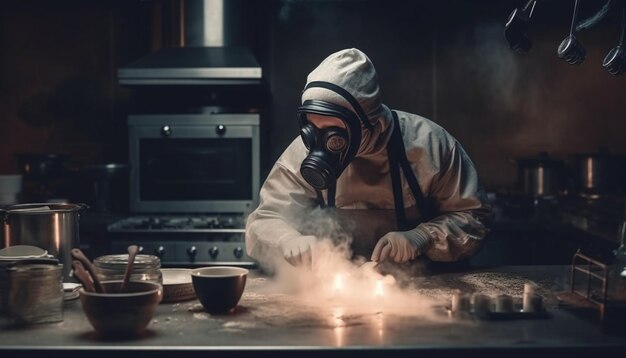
{"x": 271, "y": 320}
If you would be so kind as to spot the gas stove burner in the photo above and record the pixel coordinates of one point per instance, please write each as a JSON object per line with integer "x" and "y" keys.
{"x": 200, "y": 223}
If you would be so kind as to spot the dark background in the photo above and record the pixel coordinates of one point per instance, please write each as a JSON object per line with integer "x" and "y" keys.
{"x": 446, "y": 60}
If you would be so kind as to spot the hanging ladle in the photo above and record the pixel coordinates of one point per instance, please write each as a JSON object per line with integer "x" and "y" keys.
{"x": 570, "y": 49}
{"x": 615, "y": 60}
{"x": 133, "y": 250}
{"x": 516, "y": 30}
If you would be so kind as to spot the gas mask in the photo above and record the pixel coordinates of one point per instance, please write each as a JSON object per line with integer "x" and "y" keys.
{"x": 331, "y": 149}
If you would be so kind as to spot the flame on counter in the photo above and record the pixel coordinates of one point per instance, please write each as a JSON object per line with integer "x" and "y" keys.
{"x": 338, "y": 283}
{"x": 381, "y": 327}
{"x": 379, "y": 290}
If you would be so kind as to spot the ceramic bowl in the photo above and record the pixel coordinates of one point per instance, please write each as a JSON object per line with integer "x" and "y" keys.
{"x": 219, "y": 288}
{"x": 177, "y": 285}
{"x": 121, "y": 314}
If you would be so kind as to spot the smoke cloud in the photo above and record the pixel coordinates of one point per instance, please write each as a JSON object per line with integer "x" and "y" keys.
{"x": 337, "y": 280}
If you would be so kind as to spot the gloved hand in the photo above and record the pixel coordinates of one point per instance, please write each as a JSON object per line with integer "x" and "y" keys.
{"x": 298, "y": 250}
{"x": 400, "y": 246}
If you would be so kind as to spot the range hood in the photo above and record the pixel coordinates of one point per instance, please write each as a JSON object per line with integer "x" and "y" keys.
{"x": 193, "y": 65}
{"x": 206, "y": 55}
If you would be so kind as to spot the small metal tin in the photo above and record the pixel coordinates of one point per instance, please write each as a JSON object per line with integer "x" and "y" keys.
{"x": 36, "y": 294}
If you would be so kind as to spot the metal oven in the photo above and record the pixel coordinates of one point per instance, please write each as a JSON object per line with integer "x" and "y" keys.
{"x": 193, "y": 180}
{"x": 194, "y": 162}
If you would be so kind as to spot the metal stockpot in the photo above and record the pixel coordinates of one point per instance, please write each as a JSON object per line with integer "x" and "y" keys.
{"x": 540, "y": 176}
{"x": 592, "y": 173}
{"x": 599, "y": 174}
{"x": 50, "y": 226}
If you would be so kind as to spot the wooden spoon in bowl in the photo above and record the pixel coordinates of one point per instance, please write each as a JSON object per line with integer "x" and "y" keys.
{"x": 83, "y": 276}
{"x": 133, "y": 250}
{"x": 77, "y": 254}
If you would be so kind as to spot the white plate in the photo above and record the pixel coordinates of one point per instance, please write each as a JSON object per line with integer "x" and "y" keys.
{"x": 70, "y": 290}
{"x": 173, "y": 276}
{"x": 177, "y": 285}
{"x": 18, "y": 252}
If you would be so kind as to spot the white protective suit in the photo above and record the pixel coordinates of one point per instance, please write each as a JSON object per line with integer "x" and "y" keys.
{"x": 445, "y": 173}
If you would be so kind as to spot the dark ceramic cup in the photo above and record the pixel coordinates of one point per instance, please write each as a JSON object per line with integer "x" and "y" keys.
{"x": 219, "y": 288}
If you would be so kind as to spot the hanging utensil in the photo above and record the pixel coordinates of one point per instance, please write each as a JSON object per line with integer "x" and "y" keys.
{"x": 133, "y": 250}
{"x": 615, "y": 60}
{"x": 594, "y": 19}
{"x": 77, "y": 254}
{"x": 570, "y": 49}
{"x": 516, "y": 30}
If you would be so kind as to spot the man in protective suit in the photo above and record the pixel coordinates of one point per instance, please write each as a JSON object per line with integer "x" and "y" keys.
{"x": 407, "y": 182}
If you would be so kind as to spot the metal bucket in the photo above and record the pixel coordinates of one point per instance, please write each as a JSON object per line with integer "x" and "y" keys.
{"x": 50, "y": 226}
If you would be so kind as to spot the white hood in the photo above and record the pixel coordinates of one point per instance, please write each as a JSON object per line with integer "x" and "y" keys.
{"x": 353, "y": 71}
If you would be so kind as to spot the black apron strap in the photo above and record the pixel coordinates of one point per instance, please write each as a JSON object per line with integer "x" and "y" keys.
{"x": 320, "y": 198}
{"x": 394, "y": 169}
{"x": 399, "y": 152}
{"x": 332, "y": 189}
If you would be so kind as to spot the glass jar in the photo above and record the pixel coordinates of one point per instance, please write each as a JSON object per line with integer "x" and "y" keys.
{"x": 113, "y": 267}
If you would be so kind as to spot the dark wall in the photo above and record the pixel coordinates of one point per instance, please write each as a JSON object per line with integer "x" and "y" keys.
{"x": 57, "y": 77}
{"x": 446, "y": 60}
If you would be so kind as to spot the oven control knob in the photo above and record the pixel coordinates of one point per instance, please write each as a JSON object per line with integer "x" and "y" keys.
{"x": 140, "y": 250}
{"x": 166, "y": 130}
{"x": 192, "y": 251}
{"x": 238, "y": 252}
{"x": 159, "y": 251}
{"x": 220, "y": 129}
{"x": 214, "y": 251}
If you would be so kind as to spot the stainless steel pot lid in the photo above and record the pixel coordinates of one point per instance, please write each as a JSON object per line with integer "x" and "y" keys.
{"x": 43, "y": 208}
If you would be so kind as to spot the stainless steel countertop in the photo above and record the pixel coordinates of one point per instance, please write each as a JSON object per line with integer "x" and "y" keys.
{"x": 270, "y": 320}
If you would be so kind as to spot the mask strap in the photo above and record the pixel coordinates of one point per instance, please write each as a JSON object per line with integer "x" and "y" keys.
{"x": 347, "y": 96}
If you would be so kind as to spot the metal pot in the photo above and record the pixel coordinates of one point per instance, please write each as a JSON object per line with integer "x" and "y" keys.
{"x": 50, "y": 226}
{"x": 599, "y": 174}
{"x": 540, "y": 176}
{"x": 591, "y": 174}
